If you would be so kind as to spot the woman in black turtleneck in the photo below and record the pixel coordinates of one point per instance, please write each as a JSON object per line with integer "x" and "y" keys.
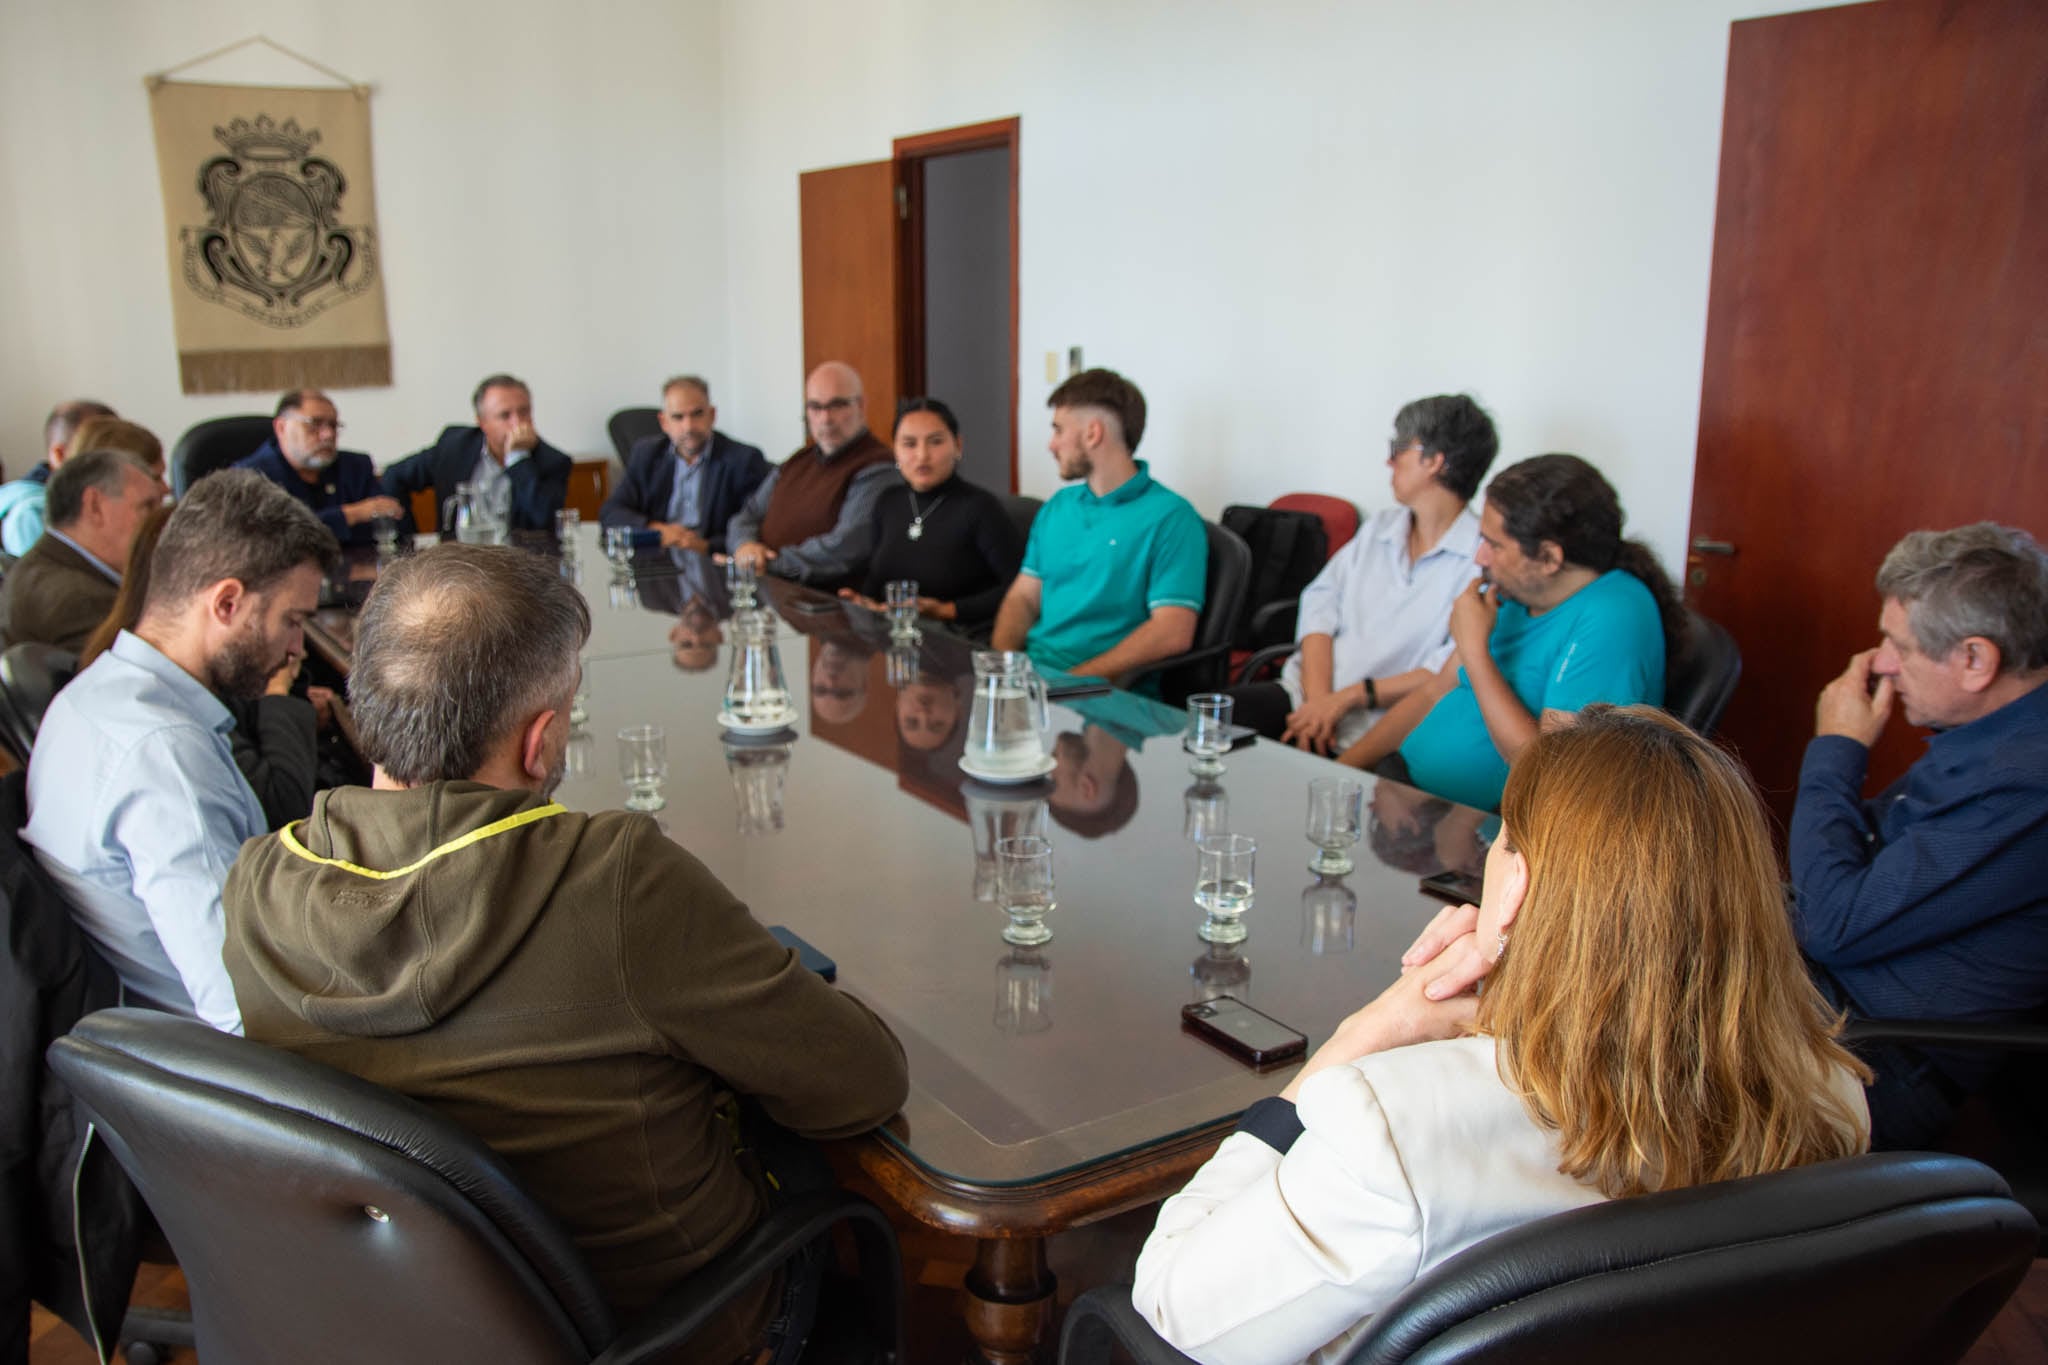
{"x": 952, "y": 537}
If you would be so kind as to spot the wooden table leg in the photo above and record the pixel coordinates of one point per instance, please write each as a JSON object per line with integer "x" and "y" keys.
{"x": 1009, "y": 1299}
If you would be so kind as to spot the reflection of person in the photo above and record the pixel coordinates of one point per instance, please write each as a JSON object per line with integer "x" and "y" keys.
{"x": 1930, "y": 901}
{"x": 304, "y": 457}
{"x": 502, "y": 457}
{"x": 928, "y": 712}
{"x": 1608, "y": 1056}
{"x": 950, "y": 537}
{"x": 1587, "y": 617}
{"x": 695, "y": 637}
{"x": 21, "y": 501}
{"x": 1375, "y": 623}
{"x": 66, "y": 583}
{"x": 136, "y": 806}
{"x": 839, "y": 678}
{"x": 1116, "y": 568}
{"x": 813, "y": 517}
{"x": 687, "y": 482}
{"x": 1094, "y": 788}
{"x": 575, "y": 989}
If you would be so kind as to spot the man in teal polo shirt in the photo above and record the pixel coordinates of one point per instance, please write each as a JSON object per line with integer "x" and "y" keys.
{"x": 1566, "y": 613}
{"x": 1115, "y": 571}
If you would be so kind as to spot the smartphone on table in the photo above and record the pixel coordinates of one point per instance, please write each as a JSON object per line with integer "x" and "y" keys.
{"x": 1255, "y": 1039}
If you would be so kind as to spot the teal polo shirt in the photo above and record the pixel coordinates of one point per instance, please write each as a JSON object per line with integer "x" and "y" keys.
{"x": 1105, "y": 564}
{"x": 1603, "y": 643}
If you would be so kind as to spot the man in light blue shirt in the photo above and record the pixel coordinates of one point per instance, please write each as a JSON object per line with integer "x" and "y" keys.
{"x": 1115, "y": 572}
{"x": 136, "y": 807}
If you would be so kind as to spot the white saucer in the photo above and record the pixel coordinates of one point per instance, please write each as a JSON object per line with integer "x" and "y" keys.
{"x": 1007, "y": 779}
{"x": 742, "y": 727}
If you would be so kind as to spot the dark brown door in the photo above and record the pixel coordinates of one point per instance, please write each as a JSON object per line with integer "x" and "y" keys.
{"x": 851, "y": 262}
{"x": 1877, "y": 332}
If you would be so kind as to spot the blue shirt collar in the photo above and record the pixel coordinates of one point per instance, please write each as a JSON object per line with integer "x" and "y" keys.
{"x": 1130, "y": 490}
{"x": 131, "y": 648}
{"x": 109, "y": 570}
{"x": 1969, "y": 743}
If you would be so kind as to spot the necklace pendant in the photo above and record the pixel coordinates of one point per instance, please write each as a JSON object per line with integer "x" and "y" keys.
{"x": 917, "y": 530}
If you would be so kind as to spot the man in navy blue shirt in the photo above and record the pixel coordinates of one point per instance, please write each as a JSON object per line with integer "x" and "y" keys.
{"x": 1931, "y": 900}
{"x": 304, "y": 458}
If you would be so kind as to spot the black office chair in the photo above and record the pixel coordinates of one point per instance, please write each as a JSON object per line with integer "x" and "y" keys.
{"x": 630, "y": 425}
{"x": 30, "y": 675}
{"x": 1205, "y": 667}
{"x": 212, "y": 446}
{"x": 1023, "y": 510}
{"x": 1902, "y": 1257}
{"x": 1701, "y": 674}
{"x": 322, "y": 1219}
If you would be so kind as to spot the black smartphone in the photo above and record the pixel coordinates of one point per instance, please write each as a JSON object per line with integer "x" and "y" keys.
{"x": 1080, "y": 687}
{"x": 811, "y": 606}
{"x": 810, "y": 957}
{"x": 1253, "y": 1038}
{"x": 1459, "y": 888}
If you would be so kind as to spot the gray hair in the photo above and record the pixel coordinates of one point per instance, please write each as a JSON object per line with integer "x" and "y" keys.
{"x": 234, "y": 524}
{"x": 64, "y": 419}
{"x": 689, "y": 381}
{"x": 106, "y": 470}
{"x": 1984, "y": 580}
{"x": 457, "y": 647}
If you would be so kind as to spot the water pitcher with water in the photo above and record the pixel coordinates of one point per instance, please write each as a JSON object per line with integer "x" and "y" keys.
{"x": 1006, "y": 727}
{"x": 755, "y": 692}
{"x": 473, "y": 518}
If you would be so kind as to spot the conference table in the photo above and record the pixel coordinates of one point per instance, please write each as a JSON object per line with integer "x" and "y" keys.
{"x": 1052, "y": 1086}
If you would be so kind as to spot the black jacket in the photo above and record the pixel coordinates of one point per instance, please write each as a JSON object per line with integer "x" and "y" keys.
{"x": 732, "y": 471}
{"x": 540, "y": 482}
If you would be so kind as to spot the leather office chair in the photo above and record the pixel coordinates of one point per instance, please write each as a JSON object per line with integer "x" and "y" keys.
{"x": 1701, "y": 675}
{"x": 1205, "y": 666}
{"x": 1340, "y": 518}
{"x": 30, "y": 675}
{"x": 320, "y": 1218}
{"x": 629, "y": 425}
{"x": 1023, "y": 510}
{"x": 1283, "y": 566}
{"x": 213, "y": 445}
{"x": 1901, "y": 1257}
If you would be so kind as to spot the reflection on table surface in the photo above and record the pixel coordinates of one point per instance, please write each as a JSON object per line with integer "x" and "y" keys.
{"x": 856, "y": 828}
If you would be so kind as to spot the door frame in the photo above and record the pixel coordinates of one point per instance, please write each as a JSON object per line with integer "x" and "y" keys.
{"x": 910, "y": 155}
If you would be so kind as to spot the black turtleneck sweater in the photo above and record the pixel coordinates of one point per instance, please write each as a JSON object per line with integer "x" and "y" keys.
{"x": 967, "y": 555}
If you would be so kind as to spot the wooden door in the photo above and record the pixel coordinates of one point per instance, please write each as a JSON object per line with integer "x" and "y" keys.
{"x": 851, "y": 270}
{"x": 1877, "y": 332}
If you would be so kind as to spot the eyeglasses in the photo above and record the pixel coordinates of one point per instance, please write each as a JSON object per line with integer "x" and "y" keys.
{"x": 332, "y": 424}
{"x": 814, "y": 407}
{"x": 1397, "y": 447}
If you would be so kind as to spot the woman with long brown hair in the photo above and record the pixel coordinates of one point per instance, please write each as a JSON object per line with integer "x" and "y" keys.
{"x": 1645, "y": 1024}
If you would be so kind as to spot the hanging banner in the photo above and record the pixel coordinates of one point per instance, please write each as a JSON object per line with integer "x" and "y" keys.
{"x": 270, "y": 215}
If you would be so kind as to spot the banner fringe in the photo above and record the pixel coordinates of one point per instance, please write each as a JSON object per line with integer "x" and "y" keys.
{"x": 320, "y": 367}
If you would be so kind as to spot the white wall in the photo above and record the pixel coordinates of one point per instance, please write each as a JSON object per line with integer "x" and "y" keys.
{"x": 547, "y": 183}
{"x": 1283, "y": 220}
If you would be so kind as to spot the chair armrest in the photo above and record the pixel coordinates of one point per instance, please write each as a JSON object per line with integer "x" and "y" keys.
{"x": 1173, "y": 661}
{"x": 683, "y": 1312}
{"x": 1265, "y": 658}
{"x": 1275, "y": 621}
{"x": 1103, "y": 1316}
{"x": 2016, "y": 1035}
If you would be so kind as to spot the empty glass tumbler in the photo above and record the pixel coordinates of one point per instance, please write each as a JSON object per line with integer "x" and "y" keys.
{"x": 1336, "y": 808}
{"x": 643, "y": 763}
{"x": 1208, "y": 732}
{"x": 1024, "y": 888}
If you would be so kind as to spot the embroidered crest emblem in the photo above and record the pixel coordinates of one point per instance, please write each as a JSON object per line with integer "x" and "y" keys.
{"x": 274, "y": 248}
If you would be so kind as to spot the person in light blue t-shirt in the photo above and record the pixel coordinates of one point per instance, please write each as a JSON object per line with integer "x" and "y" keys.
{"x": 1566, "y": 613}
{"x": 1115, "y": 571}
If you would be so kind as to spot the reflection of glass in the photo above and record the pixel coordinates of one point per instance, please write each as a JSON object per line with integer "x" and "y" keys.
{"x": 755, "y": 690}
{"x": 1223, "y": 884}
{"x": 576, "y": 757}
{"x": 992, "y": 816}
{"x": 643, "y": 763}
{"x": 902, "y": 665}
{"x": 1329, "y": 915}
{"x": 1023, "y": 992}
{"x": 1336, "y": 808}
{"x": 1208, "y": 734}
{"x": 579, "y": 701}
{"x": 758, "y": 772}
{"x": 567, "y": 522}
{"x": 1208, "y": 810}
{"x": 902, "y": 605}
{"x": 618, "y": 548}
{"x": 623, "y": 594}
{"x": 1222, "y": 969}
{"x": 1007, "y": 724}
{"x": 1024, "y": 888}
{"x": 739, "y": 583}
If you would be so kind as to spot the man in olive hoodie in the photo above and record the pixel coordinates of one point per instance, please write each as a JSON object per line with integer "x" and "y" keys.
{"x": 575, "y": 989}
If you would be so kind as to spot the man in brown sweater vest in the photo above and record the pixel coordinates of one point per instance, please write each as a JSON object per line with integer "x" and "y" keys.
{"x": 575, "y": 989}
{"x": 813, "y": 517}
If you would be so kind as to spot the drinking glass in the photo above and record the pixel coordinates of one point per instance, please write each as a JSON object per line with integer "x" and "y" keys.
{"x": 384, "y": 534}
{"x": 1024, "y": 888}
{"x": 1223, "y": 885}
{"x": 643, "y": 763}
{"x": 567, "y": 522}
{"x": 1208, "y": 732}
{"x": 618, "y": 548}
{"x": 902, "y": 603}
{"x": 739, "y": 583}
{"x": 1336, "y": 808}
{"x": 1023, "y": 992}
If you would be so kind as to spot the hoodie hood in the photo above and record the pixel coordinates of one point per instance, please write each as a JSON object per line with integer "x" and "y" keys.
{"x": 385, "y": 911}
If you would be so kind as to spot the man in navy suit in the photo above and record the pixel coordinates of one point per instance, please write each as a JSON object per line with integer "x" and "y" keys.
{"x": 687, "y": 482}
{"x": 304, "y": 458}
{"x": 512, "y": 467}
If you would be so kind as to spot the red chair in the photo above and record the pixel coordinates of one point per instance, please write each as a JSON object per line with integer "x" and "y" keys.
{"x": 1277, "y": 588}
{"x": 1340, "y": 519}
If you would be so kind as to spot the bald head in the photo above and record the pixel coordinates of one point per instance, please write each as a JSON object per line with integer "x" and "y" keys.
{"x": 832, "y": 406}
{"x": 63, "y": 423}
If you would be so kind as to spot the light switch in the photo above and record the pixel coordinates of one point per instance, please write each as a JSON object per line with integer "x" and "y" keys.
{"x": 1052, "y": 367}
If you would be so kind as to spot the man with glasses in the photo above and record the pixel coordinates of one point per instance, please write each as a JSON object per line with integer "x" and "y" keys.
{"x": 813, "y": 517}
{"x": 303, "y": 457}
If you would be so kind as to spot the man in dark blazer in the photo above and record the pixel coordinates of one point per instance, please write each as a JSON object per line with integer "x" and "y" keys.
{"x": 304, "y": 457}
{"x": 687, "y": 482}
{"x": 524, "y": 475}
{"x": 65, "y": 585}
